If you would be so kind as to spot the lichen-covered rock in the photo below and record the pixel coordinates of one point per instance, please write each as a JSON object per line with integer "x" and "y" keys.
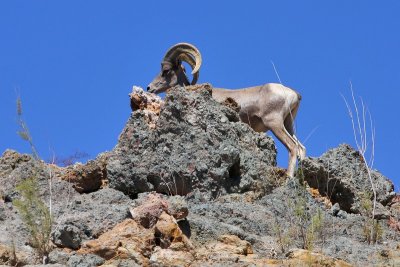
{"x": 340, "y": 174}
{"x": 196, "y": 143}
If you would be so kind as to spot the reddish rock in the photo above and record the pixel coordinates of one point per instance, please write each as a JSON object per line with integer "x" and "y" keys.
{"x": 150, "y": 210}
{"x": 167, "y": 231}
{"x": 87, "y": 177}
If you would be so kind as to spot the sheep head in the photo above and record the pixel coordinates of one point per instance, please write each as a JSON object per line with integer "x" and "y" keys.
{"x": 173, "y": 72}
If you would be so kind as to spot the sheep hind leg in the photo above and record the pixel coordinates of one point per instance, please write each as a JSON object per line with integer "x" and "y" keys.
{"x": 289, "y": 123}
{"x": 290, "y": 143}
{"x": 301, "y": 149}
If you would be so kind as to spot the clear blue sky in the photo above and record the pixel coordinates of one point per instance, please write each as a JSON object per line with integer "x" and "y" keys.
{"x": 74, "y": 63}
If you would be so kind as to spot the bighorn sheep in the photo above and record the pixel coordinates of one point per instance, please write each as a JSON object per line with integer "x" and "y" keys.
{"x": 266, "y": 107}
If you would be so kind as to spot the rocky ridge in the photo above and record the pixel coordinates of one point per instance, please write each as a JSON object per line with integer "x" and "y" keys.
{"x": 188, "y": 184}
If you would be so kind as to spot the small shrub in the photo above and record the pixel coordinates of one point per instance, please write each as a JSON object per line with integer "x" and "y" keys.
{"x": 35, "y": 215}
{"x": 305, "y": 227}
{"x": 283, "y": 237}
{"x": 314, "y": 230}
{"x": 372, "y": 231}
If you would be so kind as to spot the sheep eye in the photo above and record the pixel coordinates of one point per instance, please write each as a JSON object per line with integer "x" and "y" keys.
{"x": 165, "y": 73}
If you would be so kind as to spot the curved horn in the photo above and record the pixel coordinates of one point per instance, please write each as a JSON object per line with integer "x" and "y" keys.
{"x": 192, "y": 63}
{"x": 184, "y": 51}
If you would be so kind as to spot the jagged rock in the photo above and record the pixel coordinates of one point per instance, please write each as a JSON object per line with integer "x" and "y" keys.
{"x": 191, "y": 146}
{"x": 87, "y": 177}
{"x": 234, "y": 244}
{"x": 148, "y": 104}
{"x": 228, "y": 249}
{"x": 342, "y": 214}
{"x": 341, "y": 175}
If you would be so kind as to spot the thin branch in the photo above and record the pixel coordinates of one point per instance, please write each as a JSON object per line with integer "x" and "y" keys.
{"x": 310, "y": 134}
{"x": 351, "y": 118}
{"x": 359, "y": 144}
{"x": 276, "y": 72}
{"x": 362, "y": 144}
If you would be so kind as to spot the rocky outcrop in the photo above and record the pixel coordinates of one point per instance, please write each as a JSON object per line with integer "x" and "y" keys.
{"x": 195, "y": 143}
{"x": 188, "y": 184}
{"x": 341, "y": 174}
